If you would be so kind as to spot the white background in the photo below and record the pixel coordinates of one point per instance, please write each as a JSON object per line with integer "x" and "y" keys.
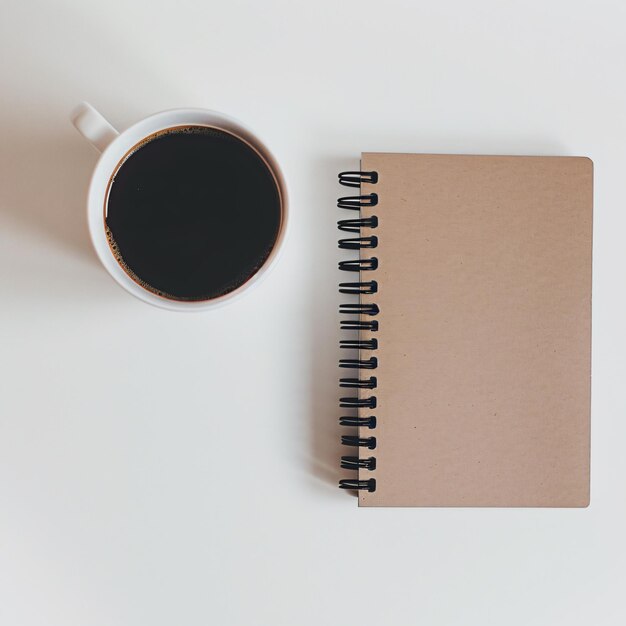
{"x": 162, "y": 468}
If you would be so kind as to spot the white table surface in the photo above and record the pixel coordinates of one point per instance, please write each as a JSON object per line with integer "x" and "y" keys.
{"x": 162, "y": 468}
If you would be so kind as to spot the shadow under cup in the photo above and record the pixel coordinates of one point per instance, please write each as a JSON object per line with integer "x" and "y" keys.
{"x": 192, "y": 212}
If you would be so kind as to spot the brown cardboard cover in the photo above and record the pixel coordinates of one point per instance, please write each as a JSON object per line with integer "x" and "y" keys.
{"x": 485, "y": 330}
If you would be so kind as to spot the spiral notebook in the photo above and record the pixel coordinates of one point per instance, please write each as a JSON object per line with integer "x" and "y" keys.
{"x": 470, "y": 331}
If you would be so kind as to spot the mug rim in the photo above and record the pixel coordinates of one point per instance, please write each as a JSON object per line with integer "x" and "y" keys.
{"x": 111, "y": 159}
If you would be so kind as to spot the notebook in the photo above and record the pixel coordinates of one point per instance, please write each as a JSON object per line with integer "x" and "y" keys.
{"x": 469, "y": 330}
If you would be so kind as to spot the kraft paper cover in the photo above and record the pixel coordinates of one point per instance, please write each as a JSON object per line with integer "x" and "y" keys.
{"x": 484, "y": 289}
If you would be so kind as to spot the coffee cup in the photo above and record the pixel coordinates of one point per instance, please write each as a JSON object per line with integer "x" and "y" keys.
{"x": 172, "y": 171}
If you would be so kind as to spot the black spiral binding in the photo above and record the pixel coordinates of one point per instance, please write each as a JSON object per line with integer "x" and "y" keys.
{"x": 366, "y": 286}
{"x": 365, "y": 422}
{"x": 354, "y": 226}
{"x": 354, "y": 462}
{"x": 359, "y": 311}
{"x": 359, "y": 265}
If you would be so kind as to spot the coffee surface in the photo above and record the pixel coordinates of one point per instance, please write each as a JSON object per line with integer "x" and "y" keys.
{"x": 193, "y": 213}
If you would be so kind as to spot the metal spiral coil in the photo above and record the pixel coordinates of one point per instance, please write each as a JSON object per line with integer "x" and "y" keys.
{"x": 358, "y": 485}
{"x": 359, "y": 265}
{"x": 359, "y": 442}
{"x": 371, "y": 325}
{"x": 354, "y": 226}
{"x": 354, "y": 203}
{"x": 359, "y": 344}
{"x": 367, "y": 287}
{"x": 359, "y": 383}
{"x": 358, "y": 403}
{"x": 359, "y": 364}
{"x": 359, "y": 311}
{"x": 354, "y": 179}
{"x": 354, "y": 462}
{"x": 364, "y": 422}
{"x": 357, "y": 243}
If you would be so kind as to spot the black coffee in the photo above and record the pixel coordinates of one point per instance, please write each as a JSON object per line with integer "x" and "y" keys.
{"x": 193, "y": 213}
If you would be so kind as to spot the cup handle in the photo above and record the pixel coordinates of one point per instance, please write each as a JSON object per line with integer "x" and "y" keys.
{"x": 92, "y": 126}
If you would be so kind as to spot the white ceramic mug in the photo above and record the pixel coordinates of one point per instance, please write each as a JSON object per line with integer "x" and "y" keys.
{"x": 114, "y": 145}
